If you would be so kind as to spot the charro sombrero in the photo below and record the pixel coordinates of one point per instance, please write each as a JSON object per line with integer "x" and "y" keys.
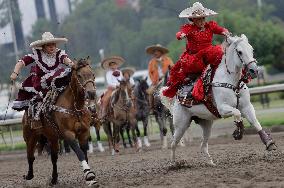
{"x": 113, "y": 59}
{"x": 128, "y": 70}
{"x": 153, "y": 48}
{"x": 197, "y": 11}
{"x": 47, "y": 38}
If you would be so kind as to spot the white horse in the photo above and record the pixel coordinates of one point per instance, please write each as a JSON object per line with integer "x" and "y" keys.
{"x": 231, "y": 96}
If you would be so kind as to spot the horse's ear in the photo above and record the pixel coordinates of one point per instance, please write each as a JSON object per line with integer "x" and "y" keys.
{"x": 88, "y": 60}
{"x": 146, "y": 78}
{"x": 243, "y": 36}
{"x": 230, "y": 39}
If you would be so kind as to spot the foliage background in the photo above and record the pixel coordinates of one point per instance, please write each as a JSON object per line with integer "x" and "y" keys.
{"x": 101, "y": 24}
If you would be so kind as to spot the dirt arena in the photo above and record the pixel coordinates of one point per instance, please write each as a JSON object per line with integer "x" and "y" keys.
{"x": 239, "y": 164}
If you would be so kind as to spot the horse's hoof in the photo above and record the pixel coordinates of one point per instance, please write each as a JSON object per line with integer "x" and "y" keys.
{"x": 92, "y": 183}
{"x": 53, "y": 182}
{"x": 211, "y": 163}
{"x": 124, "y": 145}
{"x": 90, "y": 176}
{"x": 28, "y": 177}
{"x": 271, "y": 146}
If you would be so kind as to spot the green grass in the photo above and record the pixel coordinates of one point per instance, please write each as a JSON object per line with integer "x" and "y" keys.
{"x": 8, "y": 147}
{"x": 268, "y": 120}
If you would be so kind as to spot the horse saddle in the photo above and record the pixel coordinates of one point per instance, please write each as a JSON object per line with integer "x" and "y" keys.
{"x": 185, "y": 97}
{"x": 184, "y": 94}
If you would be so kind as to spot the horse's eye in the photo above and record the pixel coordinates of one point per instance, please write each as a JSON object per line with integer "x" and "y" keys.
{"x": 240, "y": 52}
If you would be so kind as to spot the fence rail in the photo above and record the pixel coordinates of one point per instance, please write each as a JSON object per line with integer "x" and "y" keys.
{"x": 253, "y": 91}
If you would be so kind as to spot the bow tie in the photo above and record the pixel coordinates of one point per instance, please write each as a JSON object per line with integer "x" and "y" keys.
{"x": 116, "y": 73}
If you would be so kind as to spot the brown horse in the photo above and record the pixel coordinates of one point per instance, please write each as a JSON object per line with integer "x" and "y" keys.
{"x": 121, "y": 111}
{"x": 96, "y": 122}
{"x": 67, "y": 118}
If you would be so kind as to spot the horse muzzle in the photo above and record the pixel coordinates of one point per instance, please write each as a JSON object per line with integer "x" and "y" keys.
{"x": 252, "y": 70}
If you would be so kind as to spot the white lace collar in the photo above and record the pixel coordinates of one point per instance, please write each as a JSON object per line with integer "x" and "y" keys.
{"x": 48, "y": 59}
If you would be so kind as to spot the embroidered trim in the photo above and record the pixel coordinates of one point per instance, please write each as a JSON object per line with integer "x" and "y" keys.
{"x": 43, "y": 80}
{"x": 62, "y": 74}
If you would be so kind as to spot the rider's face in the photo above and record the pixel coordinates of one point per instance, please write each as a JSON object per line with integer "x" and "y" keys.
{"x": 49, "y": 48}
{"x": 157, "y": 54}
{"x": 126, "y": 75}
{"x": 113, "y": 66}
{"x": 199, "y": 22}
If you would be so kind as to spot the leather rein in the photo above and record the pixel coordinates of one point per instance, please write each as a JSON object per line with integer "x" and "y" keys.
{"x": 77, "y": 112}
{"x": 240, "y": 83}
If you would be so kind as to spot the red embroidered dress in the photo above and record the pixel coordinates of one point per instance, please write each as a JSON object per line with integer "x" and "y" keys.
{"x": 199, "y": 53}
{"x": 43, "y": 74}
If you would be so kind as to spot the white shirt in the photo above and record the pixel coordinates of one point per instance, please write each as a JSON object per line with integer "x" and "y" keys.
{"x": 112, "y": 80}
{"x": 131, "y": 80}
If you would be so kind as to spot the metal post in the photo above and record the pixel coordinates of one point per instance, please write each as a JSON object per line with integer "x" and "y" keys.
{"x": 102, "y": 56}
{"x": 12, "y": 137}
{"x": 13, "y": 30}
{"x": 3, "y": 138}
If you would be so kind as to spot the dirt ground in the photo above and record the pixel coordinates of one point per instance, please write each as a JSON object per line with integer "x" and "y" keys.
{"x": 239, "y": 164}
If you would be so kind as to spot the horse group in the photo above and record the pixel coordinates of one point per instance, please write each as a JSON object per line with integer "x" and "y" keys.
{"x": 70, "y": 119}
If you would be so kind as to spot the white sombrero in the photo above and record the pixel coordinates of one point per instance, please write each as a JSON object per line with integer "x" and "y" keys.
{"x": 113, "y": 59}
{"x": 197, "y": 11}
{"x": 153, "y": 48}
{"x": 128, "y": 70}
{"x": 47, "y": 38}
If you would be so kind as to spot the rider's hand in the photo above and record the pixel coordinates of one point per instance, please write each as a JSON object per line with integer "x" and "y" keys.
{"x": 14, "y": 76}
{"x": 180, "y": 35}
{"x": 227, "y": 33}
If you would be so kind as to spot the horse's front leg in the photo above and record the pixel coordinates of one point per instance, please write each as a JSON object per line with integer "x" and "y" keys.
{"x": 248, "y": 112}
{"x": 31, "y": 139}
{"x": 108, "y": 131}
{"x": 121, "y": 131}
{"x": 137, "y": 141}
{"x": 225, "y": 111}
{"x": 145, "y": 126}
{"x": 31, "y": 146}
{"x": 100, "y": 146}
{"x": 70, "y": 138}
{"x": 54, "y": 144}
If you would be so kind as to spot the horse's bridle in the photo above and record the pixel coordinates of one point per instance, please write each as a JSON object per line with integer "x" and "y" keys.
{"x": 239, "y": 86}
{"x": 240, "y": 58}
{"x": 82, "y": 86}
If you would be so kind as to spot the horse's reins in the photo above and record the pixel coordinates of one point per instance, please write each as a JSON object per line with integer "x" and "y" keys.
{"x": 237, "y": 88}
{"x": 9, "y": 100}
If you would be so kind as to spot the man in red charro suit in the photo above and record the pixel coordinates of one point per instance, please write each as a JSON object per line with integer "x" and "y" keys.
{"x": 199, "y": 50}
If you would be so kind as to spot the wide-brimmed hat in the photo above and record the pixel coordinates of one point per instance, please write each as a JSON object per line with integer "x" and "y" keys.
{"x": 128, "y": 70}
{"x": 197, "y": 11}
{"x": 153, "y": 48}
{"x": 113, "y": 59}
{"x": 47, "y": 38}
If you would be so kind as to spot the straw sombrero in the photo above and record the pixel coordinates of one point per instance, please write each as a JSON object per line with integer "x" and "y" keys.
{"x": 113, "y": 59}
{"x": 197, "y": 11}
{"x": 128, "y": 70}
{"x": 153, "y": 48}
{"x": 47, "y": 38}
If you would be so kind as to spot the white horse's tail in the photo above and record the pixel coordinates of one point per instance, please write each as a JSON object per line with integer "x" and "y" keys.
{"x": 166, "y": 101}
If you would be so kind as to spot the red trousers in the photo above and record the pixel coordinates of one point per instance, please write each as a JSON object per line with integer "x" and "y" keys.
{"x": 193, "y": 64}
